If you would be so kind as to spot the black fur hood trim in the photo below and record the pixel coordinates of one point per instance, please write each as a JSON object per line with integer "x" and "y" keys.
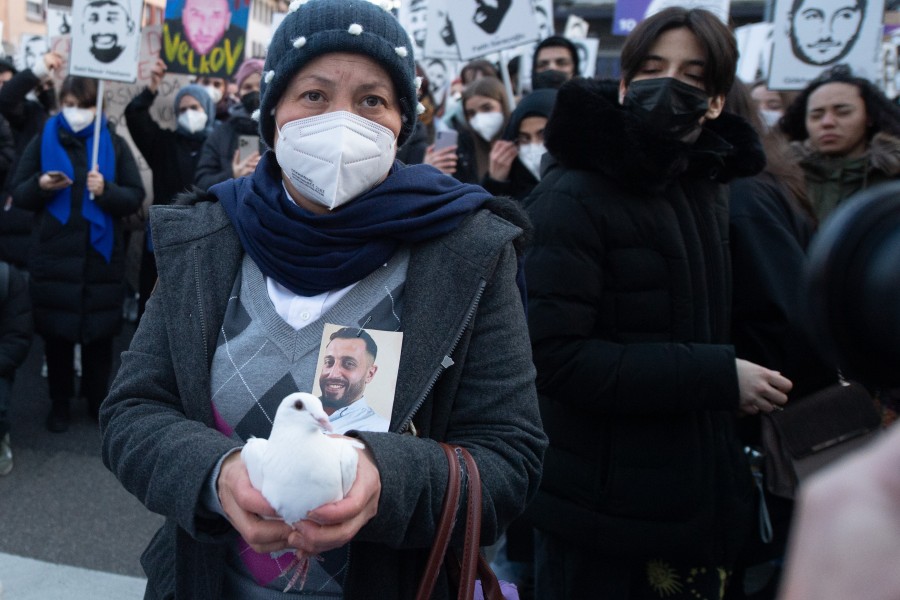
{"x": 589, "y": 130}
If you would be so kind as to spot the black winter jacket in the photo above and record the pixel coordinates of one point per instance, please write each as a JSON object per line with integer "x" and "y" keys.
{"x": 16, "y": 325}
{"x": 172, "y": 155}
{"x": 218, "y": 151}
{"x": 77, "y": 295}
{"x": 629, "y": 296}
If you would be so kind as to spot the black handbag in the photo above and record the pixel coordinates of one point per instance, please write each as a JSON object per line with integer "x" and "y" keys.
{"x": 815, "y": 430}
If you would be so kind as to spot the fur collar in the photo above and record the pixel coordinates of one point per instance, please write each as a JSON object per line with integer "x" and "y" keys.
{"x": 589, "y": 130}
{"x": 882, "y": 155}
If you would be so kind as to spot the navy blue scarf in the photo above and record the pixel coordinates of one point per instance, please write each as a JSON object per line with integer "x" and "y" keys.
{"x": 310, "y": 254}
{"x": 55, "y": 158}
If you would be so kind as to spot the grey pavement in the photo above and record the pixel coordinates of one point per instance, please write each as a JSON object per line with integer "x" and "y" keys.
{"x": 67, "y": 527}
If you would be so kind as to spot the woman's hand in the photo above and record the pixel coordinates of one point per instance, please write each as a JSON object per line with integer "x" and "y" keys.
{"x": 334, "y": 525}
{"x": 242, "y": 168}
{"x": 444, "y": 160}
{"x": 246, "y": 508}
{"x": 54, "y": 180}
{"x": 95, "y": 183}
{"x": 503, "y": 153}
{"x": 762, "y": 390}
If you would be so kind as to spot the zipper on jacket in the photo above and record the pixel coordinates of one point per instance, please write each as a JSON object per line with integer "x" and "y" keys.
{"x": 447, "y": 361}
{"x": 200, "y": 314}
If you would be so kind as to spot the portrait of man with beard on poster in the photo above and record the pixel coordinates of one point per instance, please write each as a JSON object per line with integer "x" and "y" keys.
{"x": 346, "y": 369}
{"x": 109, "y": 26}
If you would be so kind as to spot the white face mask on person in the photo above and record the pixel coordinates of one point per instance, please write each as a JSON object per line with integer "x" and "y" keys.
{"x": 78, "y": 118}
{"x": 192, "y": 120}
{"x": 530, "y": 155}
{"x": 215, "y": 94}
{"x": 770, "y": 117}
{"x": 487, "y": 124}
{"x": 335, "y": 157}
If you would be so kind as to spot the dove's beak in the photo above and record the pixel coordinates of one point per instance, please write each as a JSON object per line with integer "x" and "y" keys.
{"x": 325, "y": 424}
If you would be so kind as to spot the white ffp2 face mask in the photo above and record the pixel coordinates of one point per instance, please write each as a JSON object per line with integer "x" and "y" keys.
{"x": 215, "y": 94}
{"x": 530, "y": 155}
{"x": 78, "y": 118}
{"x": 487, "y": 124}
{"x": 333, "y": 158}
{"x": 192, "y": 120}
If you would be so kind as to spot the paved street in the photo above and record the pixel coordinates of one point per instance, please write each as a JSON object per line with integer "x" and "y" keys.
{"x": 67, "y": 528}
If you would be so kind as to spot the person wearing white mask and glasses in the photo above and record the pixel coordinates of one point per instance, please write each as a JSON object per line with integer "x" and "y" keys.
{"x": 172, "y": 155}
{"x": 515, "y": 160}
{"x": 77, "y": 259}
{"x": 329, "y": 228}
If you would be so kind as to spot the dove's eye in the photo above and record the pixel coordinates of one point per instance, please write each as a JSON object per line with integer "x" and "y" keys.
{"x": 298, "y": 404}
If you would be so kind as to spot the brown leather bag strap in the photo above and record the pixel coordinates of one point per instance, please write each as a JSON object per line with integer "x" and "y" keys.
{"x": 472, "y": 565}
{"x": 444, "y": 527}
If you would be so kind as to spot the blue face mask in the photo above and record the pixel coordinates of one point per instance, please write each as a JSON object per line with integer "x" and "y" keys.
{"x": 669, "y": 106}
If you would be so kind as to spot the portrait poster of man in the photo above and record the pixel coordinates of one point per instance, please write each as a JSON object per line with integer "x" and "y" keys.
{"x": 205, "y": 37}
{"x": 587, "y": 55}
{"x": 356, "y": 376}
{"x": 755, "y": 47}
{"x": 440, "y": 39}
{"x": 413, "y": 16}
{"x": 486, "y": 26}
{"x": 31, "y": 49}
{"x": 814, "y": 35}
{"x": 106, "y": 39}
{"x": 59, "y": 22}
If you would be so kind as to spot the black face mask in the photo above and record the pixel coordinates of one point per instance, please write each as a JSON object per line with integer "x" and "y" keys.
{"x": 667, "y": 105}
{"x": 250, "y": 101}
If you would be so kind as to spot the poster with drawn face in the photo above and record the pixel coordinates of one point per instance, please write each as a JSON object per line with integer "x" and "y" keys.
{"x": 587, "y": 55}
{"x": 32, "y": 48}
{"x": 755, "y": 47}
{"x": 440, "y": 39}
{"x": 59, "y": 22}
{"x": 813, "y": 35}
{"x": 106, "y": 39}
{"x": 440, "y": 73}
{"x": 205, "y": 37}
{"x": 413, "y": 16}
{"x": 486, "y": 26}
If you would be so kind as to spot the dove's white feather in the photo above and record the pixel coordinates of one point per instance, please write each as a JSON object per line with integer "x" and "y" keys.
{"x": 299, "y": 468}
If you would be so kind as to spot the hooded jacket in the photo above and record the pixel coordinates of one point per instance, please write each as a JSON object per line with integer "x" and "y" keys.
{"x": 831, "y": 180}
{"x": 629, "y": 295}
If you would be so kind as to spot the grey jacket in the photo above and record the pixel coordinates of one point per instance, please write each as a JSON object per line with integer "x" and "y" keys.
{"x": 465, "y": 377}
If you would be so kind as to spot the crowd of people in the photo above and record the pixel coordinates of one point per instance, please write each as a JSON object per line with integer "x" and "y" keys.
{"x": 599, "y": 285}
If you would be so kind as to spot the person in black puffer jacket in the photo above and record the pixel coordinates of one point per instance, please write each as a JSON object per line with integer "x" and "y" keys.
{"x": 77, "y": 263}
{"x": 645, "y": 487}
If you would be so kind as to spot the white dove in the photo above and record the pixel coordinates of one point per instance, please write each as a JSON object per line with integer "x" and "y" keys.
{"x": 299, "y": 468}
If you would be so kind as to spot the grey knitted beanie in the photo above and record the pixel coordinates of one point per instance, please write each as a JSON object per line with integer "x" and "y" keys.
{"x": 316, "y": 27}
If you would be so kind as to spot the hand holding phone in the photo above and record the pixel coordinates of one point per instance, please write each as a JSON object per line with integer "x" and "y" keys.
{"x": 444, "y": 138}
{"x": 54, "y": 180}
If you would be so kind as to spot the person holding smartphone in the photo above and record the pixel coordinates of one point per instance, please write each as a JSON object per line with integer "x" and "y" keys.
{"x": 172, "y": 155}
{"x": 221, "y": 158}
{"x": 77, "y": 261}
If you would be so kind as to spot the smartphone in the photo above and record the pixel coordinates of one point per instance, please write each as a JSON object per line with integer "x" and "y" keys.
{"x": 247, "y": 145}
{"x": 58, "y": 176}
{"x": 444, "y": 138}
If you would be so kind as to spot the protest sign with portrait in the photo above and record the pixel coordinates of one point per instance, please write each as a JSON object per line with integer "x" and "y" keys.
{"x": 106, "y": 39}
{"x": 206, "y": 38}
{"x": 483, "y": 27}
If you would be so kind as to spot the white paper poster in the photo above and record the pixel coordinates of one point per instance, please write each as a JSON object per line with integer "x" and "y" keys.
{"x": 440, "y": 39}
{"x": 413, "y": 16}
{"x": 543, "y": 14}
{"x": 486, "y": 26}
{"x": 587, "y": 55}
{"x": 32, "y": 48}
{"x": 755, "y": 47}
{"x": 106, "y": 39}
{"x": 576, "y": 28}
{"x": 814, "y": 35}
{"x": 59, "y": 22}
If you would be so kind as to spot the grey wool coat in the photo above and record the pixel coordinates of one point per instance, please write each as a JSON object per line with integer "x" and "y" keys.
{"x": 466, "y": 377}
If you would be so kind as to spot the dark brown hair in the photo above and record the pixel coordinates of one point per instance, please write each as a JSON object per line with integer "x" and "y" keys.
{"x": 84, "y": 89}
{"x": 490, "y": 87}
{"x": 781, "y": 166}
{"x": 713, "y": 36}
